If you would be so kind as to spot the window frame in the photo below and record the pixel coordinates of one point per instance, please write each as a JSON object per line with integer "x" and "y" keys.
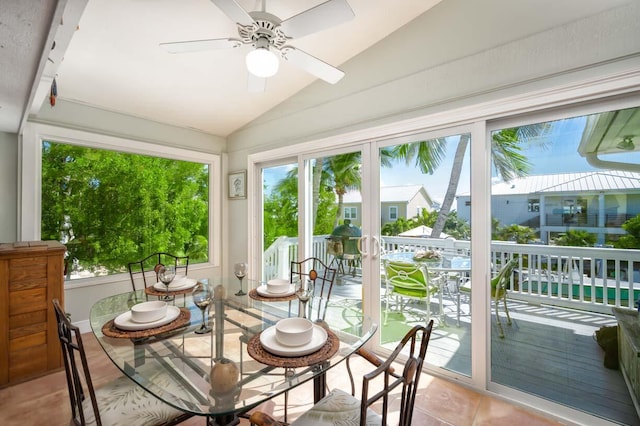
{"x": 30, "y": 188}
{"x": 353, "y": 213}
{"x": 396, "y": 210}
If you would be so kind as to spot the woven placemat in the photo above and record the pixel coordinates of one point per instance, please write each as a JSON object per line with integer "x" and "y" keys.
{"x": 260, "y": 354}
{"x": 152, "y": 291}
{"x": 110, "y": 329}
{"x": 256, "y": 296}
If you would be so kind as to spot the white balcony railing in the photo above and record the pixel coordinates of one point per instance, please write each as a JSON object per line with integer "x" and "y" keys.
{"x": 593, "y": 279}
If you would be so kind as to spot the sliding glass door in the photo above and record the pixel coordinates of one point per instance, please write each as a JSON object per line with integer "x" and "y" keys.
{"x": 425, "y": 240}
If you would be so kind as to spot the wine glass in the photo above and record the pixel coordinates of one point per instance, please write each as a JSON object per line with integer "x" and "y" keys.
{"x": 202, "y": 296}
{"x": 240, "y": 271}
{"x": 304, "y": 293}
{"x": 166, "y": 274}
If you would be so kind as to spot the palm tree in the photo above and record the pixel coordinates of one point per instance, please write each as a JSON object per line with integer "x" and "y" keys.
{"x": 342, "y": 173}
{"x": 505, "y": 153}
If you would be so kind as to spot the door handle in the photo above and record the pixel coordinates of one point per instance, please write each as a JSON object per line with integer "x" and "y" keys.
{"x": 376, "y": 246}
{"x": 360, "y": 244}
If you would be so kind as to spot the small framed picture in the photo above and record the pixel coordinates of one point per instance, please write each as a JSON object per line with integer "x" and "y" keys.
{"x": 238, "y": 185}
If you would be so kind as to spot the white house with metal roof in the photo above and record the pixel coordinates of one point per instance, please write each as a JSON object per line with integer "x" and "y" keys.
{"x": 598, "y": 202}
{"x": 404, "y": 201}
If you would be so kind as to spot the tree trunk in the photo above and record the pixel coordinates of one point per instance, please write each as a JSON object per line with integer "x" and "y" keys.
{"x": 450, "y": 195}
{"x": 317, "y": 178}
{"x": 340, "y": 203}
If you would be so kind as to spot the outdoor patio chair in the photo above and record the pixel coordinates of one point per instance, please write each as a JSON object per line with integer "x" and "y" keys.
{"x": 499, "y": 285}
{"x": 120, "y": 401}
{"x": 149, "y": 267}
{"x": 340, "y": 408}
{"x": 410, "y": 281}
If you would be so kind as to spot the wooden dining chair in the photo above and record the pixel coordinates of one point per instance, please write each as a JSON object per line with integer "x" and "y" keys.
{"x": 341, "y": 408}
{"x": 119, "y": 402}
{"x": 149, "y": 267}
{"x": 323, "y": 278}
{"x": 406, "y": 280}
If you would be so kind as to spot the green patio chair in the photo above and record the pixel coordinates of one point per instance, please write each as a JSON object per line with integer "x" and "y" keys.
{"x": 499, "y": 285}
{"x": 409, "y": 281}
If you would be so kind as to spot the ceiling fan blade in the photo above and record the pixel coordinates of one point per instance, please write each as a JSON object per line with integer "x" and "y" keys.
{"x": 234, "y": 11}
{"x": 256, "y": 84}
{"x": 312, "y": 65}
{"x": 199, "y": 45}
{"x": 320, "y": 17}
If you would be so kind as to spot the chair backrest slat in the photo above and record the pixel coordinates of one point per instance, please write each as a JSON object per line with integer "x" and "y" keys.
{"x": 414, "y": 346}
{"x": 323, "y": 278}
{"x": 147, "y": 268}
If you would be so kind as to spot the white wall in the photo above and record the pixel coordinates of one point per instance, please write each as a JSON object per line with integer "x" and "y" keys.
{"x": 460, "y": 54}
{"x": 77, "y": 116}
{"x": 8, "y": 186}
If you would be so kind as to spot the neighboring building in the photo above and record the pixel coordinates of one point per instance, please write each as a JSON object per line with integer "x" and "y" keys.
{"x": 598, "y": 202}
{"x": 395, "y": 202}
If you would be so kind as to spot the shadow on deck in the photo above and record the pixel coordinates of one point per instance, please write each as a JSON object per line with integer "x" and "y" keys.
{"x": 549, "y": 352}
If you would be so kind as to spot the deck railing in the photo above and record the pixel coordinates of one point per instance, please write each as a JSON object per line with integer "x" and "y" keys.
{"x": 589, "y": 278}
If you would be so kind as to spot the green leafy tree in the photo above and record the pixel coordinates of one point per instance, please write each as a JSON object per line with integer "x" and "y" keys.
{"x": 426, "y": 218}
{"x": 398, "y": 226}
{"x": 342, "y": 173}
{"x": 506, "y": 154}
{"x": 110, "y": 208}
{"x": 456, "y": 227}
{"x": 576, "y": 238}
{"x": 632, "y": 239}
{"x": 518, "y": 233}
{"x": 281, "y": 210}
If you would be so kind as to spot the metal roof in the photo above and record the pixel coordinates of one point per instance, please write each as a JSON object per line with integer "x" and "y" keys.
{"x": 388, "y": 194}
{"x": 611, "y": 180}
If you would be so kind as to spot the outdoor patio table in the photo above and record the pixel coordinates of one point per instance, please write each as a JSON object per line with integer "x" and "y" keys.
{"x": 457, "y": 265}
{"x": 176, "y": 353}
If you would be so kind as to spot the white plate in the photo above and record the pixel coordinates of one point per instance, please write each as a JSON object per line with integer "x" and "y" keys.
{"x": 179, "y": 283}
{"x": 124, "y": 322}
{"x": 269, "y": 342}
{"x": 263, "y": 291}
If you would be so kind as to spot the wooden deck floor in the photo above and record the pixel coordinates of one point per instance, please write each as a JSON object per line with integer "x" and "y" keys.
{"x": 548, "y": 352}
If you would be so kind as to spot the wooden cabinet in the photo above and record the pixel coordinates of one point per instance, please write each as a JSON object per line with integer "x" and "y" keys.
{"x": 31, "y": 276}
{"x": 629, "y": 350}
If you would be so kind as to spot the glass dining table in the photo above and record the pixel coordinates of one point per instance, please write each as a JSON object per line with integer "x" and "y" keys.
{"x": 234, "y": 368}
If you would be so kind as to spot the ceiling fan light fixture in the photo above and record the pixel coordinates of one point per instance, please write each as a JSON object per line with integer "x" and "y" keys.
{"x": 626, "y": 144}
{"x": 262, "y": 62}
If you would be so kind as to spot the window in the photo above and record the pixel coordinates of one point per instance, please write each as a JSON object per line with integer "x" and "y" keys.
{"x": 393, "y": 213}
{"x": 113, "y": 200}
{"x": 110, "y": 208}
{"x": 350, "y": 213}
{"x": 533, "y": 205}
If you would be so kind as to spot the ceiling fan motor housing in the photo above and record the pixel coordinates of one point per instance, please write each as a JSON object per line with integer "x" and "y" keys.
{"x": 265, "y": 27}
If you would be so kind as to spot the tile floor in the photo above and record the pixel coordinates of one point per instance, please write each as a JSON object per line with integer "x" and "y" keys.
{"x": 440, "y": 402}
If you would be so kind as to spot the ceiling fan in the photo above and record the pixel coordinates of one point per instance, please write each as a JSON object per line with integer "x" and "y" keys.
{"x": 267, "y": 34}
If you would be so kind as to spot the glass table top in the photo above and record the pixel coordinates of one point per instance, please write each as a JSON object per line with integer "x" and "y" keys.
{"x": 177, "y": 365}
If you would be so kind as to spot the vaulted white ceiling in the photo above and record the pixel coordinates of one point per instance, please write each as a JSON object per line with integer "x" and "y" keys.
{"x": 113, "y": 60}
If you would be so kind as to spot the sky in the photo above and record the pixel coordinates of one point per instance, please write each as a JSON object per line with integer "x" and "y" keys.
{"x": 556, "y": 152}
